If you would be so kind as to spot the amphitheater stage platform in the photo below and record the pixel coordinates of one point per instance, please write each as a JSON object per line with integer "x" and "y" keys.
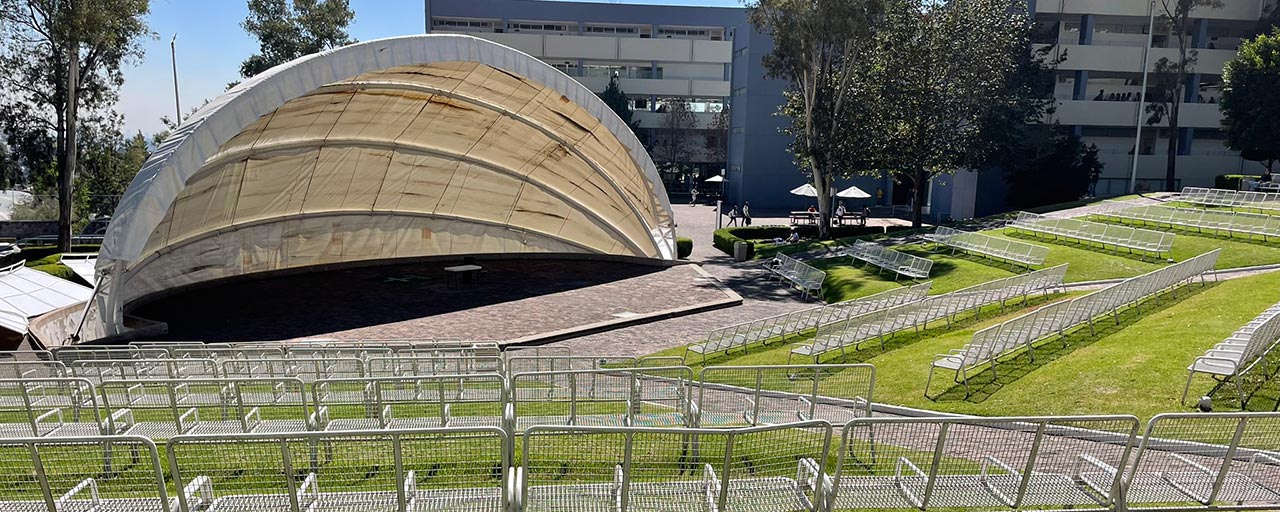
{"x": 510, "y": 301}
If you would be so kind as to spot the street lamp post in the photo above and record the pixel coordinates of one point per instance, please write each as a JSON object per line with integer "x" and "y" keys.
{"x": 1142, "y": 97}
{"x": 173, "y": 53}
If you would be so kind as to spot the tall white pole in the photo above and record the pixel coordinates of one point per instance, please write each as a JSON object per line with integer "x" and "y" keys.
{"x": 1142, "y": 97}
{"x": 173, "y": 53}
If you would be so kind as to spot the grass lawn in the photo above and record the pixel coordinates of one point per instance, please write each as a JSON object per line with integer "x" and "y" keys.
{"x": 1138, "y": 367}
{"x": 846, "y": 280}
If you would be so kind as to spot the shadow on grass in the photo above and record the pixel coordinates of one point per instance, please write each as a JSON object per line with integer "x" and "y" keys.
{"x": 1272, "y": 243}
{"x": 1066, "y": 242}
{"x": 939, "y": 327}
{"x": 986, "y": 383}
{"x": 872, "y": 348}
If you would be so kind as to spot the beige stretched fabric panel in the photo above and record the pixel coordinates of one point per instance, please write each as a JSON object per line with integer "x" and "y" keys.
{"x": 410, "y": 160}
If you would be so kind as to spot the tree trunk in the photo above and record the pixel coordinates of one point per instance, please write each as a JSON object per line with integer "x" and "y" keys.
{"x": 920, "y": 177}
{"x": 66, "y": 172}
{"x": 822, "y": 183}
{"x": 1171, "y": 165}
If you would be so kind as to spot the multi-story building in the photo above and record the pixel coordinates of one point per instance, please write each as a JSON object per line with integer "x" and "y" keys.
{"x": 712, "y": 57}
{"x": 660, "y": 55}
{"x": 1099, "y": 82}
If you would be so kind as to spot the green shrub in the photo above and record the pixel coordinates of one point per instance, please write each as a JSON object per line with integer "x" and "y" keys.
{"x": 1232, "y": 181}
{"x": 724, "y": 239}
{"x": 684, "y": 247}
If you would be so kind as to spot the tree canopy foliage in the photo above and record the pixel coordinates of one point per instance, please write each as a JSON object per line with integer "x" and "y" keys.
{"x": 287, "y": 30}
{"x": 60, "y": 57}
{"x": 1251, "y": 100}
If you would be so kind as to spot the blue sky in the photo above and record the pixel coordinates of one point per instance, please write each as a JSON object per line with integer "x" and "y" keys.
{"x": 211, "y": 46}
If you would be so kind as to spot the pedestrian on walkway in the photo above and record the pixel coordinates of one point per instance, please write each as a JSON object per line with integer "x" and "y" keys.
{"x": 746, "y": 213}
{"x": 693, "y": 197}
{"x": 733, "y": 216}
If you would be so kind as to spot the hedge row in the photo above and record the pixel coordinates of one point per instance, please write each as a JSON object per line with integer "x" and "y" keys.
{"x": 1232, "y": 181}
{"x": 724, "y": 239}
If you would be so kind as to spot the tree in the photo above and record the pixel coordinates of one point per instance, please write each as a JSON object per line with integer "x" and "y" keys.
{"x": 62, "y": 56}
{"x": 939, "y": 74}
{"x": 288, "y": 31}
{"x": 1051, "y": 166}
{"x": 1250, "y": 102}
{"x": 818, "y": 46}
{"x": 674, "y": 143}
{"x": 716, "y": 144}
{"x": 1171, "y": 76}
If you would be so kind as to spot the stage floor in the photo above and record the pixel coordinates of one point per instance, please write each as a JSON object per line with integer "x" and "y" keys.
{"x": 512, "y": 301}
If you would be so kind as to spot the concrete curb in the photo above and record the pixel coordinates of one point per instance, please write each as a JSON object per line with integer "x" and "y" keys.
{"x": 731, "y": 299}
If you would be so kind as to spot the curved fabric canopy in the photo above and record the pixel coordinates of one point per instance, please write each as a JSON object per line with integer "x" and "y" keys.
{"x": 397, "y": 148}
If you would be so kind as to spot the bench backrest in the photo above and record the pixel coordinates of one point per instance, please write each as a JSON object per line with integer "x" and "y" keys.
{"x": 648, "y": 469}
{"x": 561, "y": 397}
{"x": 409, "y": 398}
{"x": 240, "y": 404}
{"x": 917, "y": 455}
{"x": 761, "y": 395}
{"x": 400, "y": 366}
{"x": 309, "y": 370}
{"x": 43, "y": 406}
{"x": 385, "y": 470}
{"x": 1214, "y": 458}
{"x": 85, "y": 473}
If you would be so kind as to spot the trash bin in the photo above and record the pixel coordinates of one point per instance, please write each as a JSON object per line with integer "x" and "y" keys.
{"x": 739, "y": 251}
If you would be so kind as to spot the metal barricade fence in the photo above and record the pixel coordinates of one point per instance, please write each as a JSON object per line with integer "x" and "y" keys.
{"x": 89, "y": 473}
{"x": 388, "y": 470}
{"x": 729, "y": 396}
{"x": 773, "y": 468}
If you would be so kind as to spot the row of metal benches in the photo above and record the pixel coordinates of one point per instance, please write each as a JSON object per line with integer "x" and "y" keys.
{"x": 1187, "y": 462}
{"x": 1200, "y": 220}
{"x": 1022, "y": 333}
{"x": 899, "y": 262}
{"x": 1240, "y": 353}
{"x": 1133, "y": 240}
{"x": 1024, "y": 253}
{"x": 882, "y": 325}
{"x": 656, "y": 397}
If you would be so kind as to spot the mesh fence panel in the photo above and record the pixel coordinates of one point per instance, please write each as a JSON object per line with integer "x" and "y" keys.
{"x": 1196, "y": 460}
{"x": 758, "y": 395}
{"x": 115, "y": 474}
{"x": 49, "y": 407}
{"x": 411, "y": 402}
{"x": 983, "y": 464}
{"x": 349, "y": 471}
{"x": 166, "y": 408}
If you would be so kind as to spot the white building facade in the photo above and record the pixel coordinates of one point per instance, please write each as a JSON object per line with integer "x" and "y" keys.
{"x": 1099, "y": 82}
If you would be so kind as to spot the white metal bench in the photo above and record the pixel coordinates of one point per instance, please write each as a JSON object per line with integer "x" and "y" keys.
{"x": 901, "y": 263}
{"x": 800, "y": 274}
{"x": 1133, "y": 240}
{"x": 410, "y": 402}
{"x": 1023, "y": 332}
{"x": 776, "y": 468}
{"x": 794, "y": 323}
{"x": 1214, "y": 221}
{"x": 161, "y": 409}
{"x": 1245, "y": 349}
{"x": 1027, "y": 254}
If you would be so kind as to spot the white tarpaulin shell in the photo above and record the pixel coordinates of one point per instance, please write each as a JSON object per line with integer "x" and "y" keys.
{"x": 26, "y": 293}
{"x": 397, "y": 148}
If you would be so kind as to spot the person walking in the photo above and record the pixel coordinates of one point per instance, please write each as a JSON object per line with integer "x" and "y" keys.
{"x": 746, "y": 213}
{"x": 733, "y": 216}
{"x": 693, "y": 197}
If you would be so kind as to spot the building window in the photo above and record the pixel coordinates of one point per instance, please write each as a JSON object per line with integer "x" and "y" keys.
{"x": 539, "y": 27}
{"x": 448, "y": 24}
{"x": 599, "y": 29}
{"x": 568, "y": 68}
{"x": 682, "y": 32}
{"x": 622, "y": 71}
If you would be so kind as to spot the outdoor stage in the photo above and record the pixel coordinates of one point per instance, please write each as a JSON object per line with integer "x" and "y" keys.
{"x": 512, "y": 301}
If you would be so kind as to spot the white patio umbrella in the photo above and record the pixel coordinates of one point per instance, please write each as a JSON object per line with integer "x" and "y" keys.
{"x": 714, "y": 179}
{"x": 805, "y": 190}
{"x": 852, "y": 193}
